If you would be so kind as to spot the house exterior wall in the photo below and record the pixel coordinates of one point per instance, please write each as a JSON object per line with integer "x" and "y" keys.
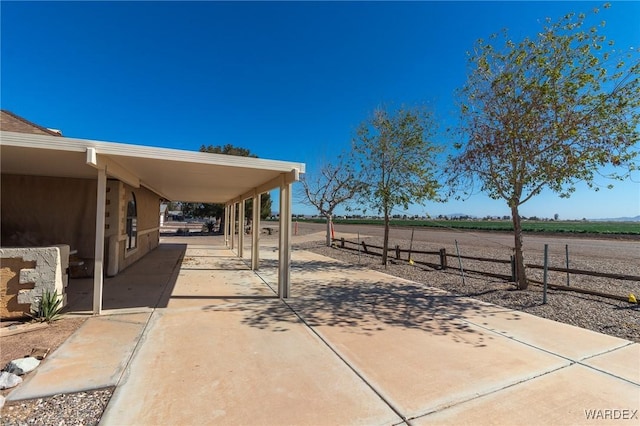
{"x": 42, "y": 211}
{"x": 148, "y": 225}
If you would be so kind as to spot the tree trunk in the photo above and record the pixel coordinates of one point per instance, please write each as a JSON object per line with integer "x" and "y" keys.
{"x": 521, "y": 276}
{"x": 329, "y": 222}
{"x": 385, "y": 245}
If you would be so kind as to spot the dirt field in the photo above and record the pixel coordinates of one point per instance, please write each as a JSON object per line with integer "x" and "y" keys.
{"x": 602, "y": 247}
{"x": 611, "y": 255}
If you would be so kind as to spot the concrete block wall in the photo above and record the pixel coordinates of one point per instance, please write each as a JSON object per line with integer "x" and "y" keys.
{"x": 27, "y": 273}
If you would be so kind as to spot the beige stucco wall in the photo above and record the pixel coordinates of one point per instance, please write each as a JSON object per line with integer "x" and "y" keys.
{"x": 148, "y": 207}
{"x": 41, "y": 211}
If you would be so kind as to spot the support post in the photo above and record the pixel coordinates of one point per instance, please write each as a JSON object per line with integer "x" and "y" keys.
{"x": 566, "y": 250}
{"x": 255, "y": 233}
{"x": 544, "y": 274}
{"x": 232, "y": 226}
{"x": 226, "y": 225}
{"x": 98, "y": 270}
{"x": 443, "y": 259}
{"x": 241, "y": 230}
{"x": 284, "y": 253}
{"x": 460, "y": 262}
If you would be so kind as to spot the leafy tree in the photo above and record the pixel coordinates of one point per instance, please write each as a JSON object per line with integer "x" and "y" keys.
{"x": 546, "y": 113}
{"x": 227, "y": 149}
{"x": 202, "y": 209}
{"x": 265, "y": 199}
{"x": 334, "y": 185}
{"x": 395, "y": 158}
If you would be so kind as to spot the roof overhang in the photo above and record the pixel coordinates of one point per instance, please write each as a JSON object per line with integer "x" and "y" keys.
{"x": 173, "y": 174}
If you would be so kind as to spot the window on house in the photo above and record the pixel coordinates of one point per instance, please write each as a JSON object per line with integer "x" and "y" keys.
{"x": 132, "y": 223}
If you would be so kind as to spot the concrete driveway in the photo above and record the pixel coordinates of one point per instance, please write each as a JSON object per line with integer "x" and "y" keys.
{"x": 351, "y": 346}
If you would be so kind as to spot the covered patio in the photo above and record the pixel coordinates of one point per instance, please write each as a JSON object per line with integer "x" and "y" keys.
{"x": 172, "y": 174}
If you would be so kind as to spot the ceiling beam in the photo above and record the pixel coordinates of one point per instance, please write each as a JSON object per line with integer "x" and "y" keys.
{"x": 113, "y": 169}
{"x": 289, "y": 177}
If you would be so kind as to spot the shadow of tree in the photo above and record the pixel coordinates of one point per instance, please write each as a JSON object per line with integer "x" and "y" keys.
{"x": 365, "y": 306}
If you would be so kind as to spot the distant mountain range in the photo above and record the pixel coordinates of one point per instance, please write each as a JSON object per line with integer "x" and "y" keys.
{"x": 619, "y": 219}
{"x": 610, "y": 219}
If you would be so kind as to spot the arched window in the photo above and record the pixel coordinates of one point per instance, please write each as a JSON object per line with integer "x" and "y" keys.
{"x": 132, "y": 223}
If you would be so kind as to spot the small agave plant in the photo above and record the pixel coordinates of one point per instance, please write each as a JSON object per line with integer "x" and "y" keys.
{"x": 49, "y": 308}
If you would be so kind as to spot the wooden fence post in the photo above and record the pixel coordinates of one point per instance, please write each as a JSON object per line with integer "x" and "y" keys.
{"x": 398, "y": 252}
{"x": 443, "y": 259}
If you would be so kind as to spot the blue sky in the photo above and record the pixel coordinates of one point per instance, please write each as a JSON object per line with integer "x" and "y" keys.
{"x": 287, "y": 80}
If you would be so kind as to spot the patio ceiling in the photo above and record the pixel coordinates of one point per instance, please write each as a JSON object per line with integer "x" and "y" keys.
{"x": 174, "y": 174}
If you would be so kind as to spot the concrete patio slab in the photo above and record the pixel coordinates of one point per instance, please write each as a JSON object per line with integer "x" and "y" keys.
{"x": 427, "y": 365}
{"x": 208, "y": 277}
{"x": 426, "y": 356}
{"x": 93, "y": 357}
{"x": 220, "y": 369}
{"x": 570, "y": 396}
{"x": 623, "y": 362}
{"x": 558, "y": 338}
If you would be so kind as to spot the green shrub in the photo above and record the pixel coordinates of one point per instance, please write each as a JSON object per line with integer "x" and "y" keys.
{"x": 49, "y": 308}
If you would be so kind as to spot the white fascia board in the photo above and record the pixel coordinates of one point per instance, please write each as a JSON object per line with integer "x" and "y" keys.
{"x": 139, "y": 151}
{"x": 28, "y": 140}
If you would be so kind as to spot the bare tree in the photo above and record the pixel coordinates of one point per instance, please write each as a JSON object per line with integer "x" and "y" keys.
{"x": 332, "y": 186}
{"x": 546, "y": 113}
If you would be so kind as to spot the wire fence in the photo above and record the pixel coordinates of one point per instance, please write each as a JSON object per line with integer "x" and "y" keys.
{"x": 495, "y": 267}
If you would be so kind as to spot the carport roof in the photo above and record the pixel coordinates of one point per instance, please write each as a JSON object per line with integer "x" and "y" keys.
{"x": 173, "y": 174}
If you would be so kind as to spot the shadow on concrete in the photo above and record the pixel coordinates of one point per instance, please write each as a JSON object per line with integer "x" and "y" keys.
{"x": 148, "y": 283}
{"x": 313, "y": 266}
{"x": 366, "y": 306}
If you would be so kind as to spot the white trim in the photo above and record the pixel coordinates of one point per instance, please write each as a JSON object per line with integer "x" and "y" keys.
{"x": 241, "y": 230}
{"x": 130, "y": 252}
{"x": 232, "y": 226}
{"x": 98, "y": 270}
{"x": 123, "y": 237}
{"x": 284, "y": 252}
{"x": 147, "y": 231}
{"x": 28, "y": 140}
{"x": 226, "y": 225}
{"x": 255, "y": 232}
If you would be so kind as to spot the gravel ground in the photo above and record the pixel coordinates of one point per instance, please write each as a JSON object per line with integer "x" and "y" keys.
{"x": 604, "y": 315}
{"x": 82, "y": 408}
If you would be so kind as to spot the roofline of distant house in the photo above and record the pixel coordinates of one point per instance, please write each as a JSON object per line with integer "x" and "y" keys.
{"x": 30, "y": 123}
